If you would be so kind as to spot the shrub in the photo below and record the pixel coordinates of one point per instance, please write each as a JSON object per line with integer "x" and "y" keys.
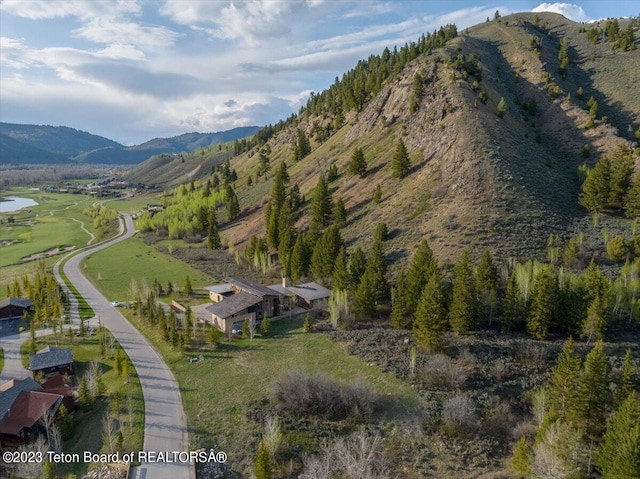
{"x": 458, "y": 415}
{"x": 321, "y": 396}
{"x": 442, "y": 371}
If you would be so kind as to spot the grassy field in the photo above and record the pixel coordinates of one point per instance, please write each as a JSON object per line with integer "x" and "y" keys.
{"x": 54, "y": 222}
{"x": 113, "y": 269}
{"x": 135, "y": 204}
{"x": 88, "y": 428}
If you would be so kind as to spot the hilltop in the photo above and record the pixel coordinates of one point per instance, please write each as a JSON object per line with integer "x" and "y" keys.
{"x": 44, "y": 144}
{"x": 476, "y": 179}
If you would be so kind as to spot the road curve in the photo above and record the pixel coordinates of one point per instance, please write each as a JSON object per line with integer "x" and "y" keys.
{"x": 165, "y": 424}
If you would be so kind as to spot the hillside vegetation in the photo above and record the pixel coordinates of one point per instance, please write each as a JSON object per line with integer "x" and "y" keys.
{"x": 477, "y": 177}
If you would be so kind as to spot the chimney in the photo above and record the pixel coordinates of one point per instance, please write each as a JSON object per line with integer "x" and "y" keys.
{"x": 285, "y": 282}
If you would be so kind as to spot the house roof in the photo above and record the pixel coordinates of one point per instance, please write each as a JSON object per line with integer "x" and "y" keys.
{"x": 220, "y": 288}
{"x": 19, "y": 302}
{"x": 250, "y": 287}
{"x": 281, "y": 290}
{"x": 58, "y": 385}
{"x": 233, "y": 304}
{"x": 10, "y": 390}
{"x": 27, "y": 409}
{"x": 50, "y": 357}
{"x": 310, "y": 291}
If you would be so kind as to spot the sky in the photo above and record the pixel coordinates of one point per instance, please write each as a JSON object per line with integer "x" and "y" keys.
{"x": 133, "y": 70}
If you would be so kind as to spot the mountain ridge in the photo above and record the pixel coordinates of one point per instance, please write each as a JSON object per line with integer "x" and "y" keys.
{"x": 28, "y": 144}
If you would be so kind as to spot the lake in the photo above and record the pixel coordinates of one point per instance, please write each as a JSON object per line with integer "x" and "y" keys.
{"x": 15, "y": 203}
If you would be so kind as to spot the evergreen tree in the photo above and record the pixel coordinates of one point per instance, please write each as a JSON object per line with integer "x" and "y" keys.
{"x": 463, "y": 311}
{"x": 357, "y": 266}
{"x": 286, "y": 235}
{"x": 594, "y": 391}
{"x": 213, "y": 237}
{"x": 564, "y": 385}
{"x": 486, "y": 273}
{"x": 364, "y": 303}
{"x": 262, "y": 466}
{"x": 520, "y": 461}
{"x": 340, "y": 277}
{"x": 377, "y": 272}
{"x": 632, "y": 201}
{"x": 85, "y": 401}
{"x": 401, "y": 317}
{"x": 401, "y": 163}
{"x": 596, "y": 189}
{"x": 188, "y": 289}
{"x": 502, "y": 107}
{"x": 595, "y": 322}
{"x": 543, "y": 305}
{"x": 300, "y": 259}
{"x": 358, "y": 163}
{"x": 622, "y": 165}
{"x": 231, "y": 203}
{"x": 321, "y": 204}
{"x": 619, "y": 455}
{"x": 627, "y": 379}
{"x": 324, "y": 254}
{"x": 431, "y": 322}
{"x": 265, "y": 325}
{"x": 377, "y": 195}
{"x": 339, "y": 213}
{"x": 422, "y": 266}
{"x": 513, "y": 309}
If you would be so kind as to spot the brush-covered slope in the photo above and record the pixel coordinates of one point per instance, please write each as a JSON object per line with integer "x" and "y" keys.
{"x": 477, "y": 179}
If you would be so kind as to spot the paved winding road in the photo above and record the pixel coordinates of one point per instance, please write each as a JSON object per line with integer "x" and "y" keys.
{"x": 165, "y": 424}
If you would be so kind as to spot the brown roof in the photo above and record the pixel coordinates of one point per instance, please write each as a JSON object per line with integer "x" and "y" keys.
{"x": 27, "y": 409}
{"x": 57, "y": 385}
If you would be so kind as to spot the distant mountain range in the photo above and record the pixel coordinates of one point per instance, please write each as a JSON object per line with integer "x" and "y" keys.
{"x": 44, "y": 144}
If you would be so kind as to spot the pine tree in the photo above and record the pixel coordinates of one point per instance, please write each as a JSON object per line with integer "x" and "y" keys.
{"x": 502, "y": 107}
{"x": 401, "y": 163}
{"x": 431, "y": 322}
{"x": 543, "y": 305}
{"x": 627, "y": 379}
{"x": 596, "y": 189}
{"x": 340, "y": 277}
{"x": 262, "y": 465}
{"x": 357, "y": 266}
{"x": 300, "y": 259}
{"x": 486, "y": 273}
{"x": 595, "y": 322}
{"x": 324, "y": 254}
{"x": 377, "y": 272}
{"x": 564, "y": 385}
{"x": 321, "y": 204}
{"x": 339, "y": 213}
{"x": 463, "y": 311}
{"x": 622, "y": 165}
{"x": 377, "y": 195}
{"x": 632, "y": 200}
{"x": 521, "y": 459}
{"x": 188, "y": 289}
{"x": 365, "y": 304}
{"x": 231, "y": 203}
{"x": 594, "y": 391}
{"x": 286, "y": 235}
{"x": 358, "y": 163}
{"x": 513, "y": 310}
{"x": 85, "y": 401}
{"x": 265, "y": 325}
{"x": 401, "y": 317}
{"x": 422, "y": 266}
{"x": 212, "y": 336}
{"x": 213, "y": 237}
{"x": 619, "y": 455}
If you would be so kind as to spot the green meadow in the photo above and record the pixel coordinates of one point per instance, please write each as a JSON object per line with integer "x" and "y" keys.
{"x": 114, "y": 268}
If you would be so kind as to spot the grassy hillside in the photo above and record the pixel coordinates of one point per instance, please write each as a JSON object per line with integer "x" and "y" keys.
{"x": 476, "y": 179}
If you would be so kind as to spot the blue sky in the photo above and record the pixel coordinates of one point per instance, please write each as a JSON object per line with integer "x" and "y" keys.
{"x": 132, "y": 70}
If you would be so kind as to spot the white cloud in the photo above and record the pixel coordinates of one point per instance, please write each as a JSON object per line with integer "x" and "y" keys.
{"x": 569, "y": 10}
{"x": 108, "y": 30}
{"x": 83, "y": 9}
{"x": 251, "y": 21}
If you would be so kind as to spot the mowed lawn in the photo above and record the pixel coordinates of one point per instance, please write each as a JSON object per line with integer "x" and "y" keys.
{"x": 45, "y": 226}
{"x": 113, "y": 269}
